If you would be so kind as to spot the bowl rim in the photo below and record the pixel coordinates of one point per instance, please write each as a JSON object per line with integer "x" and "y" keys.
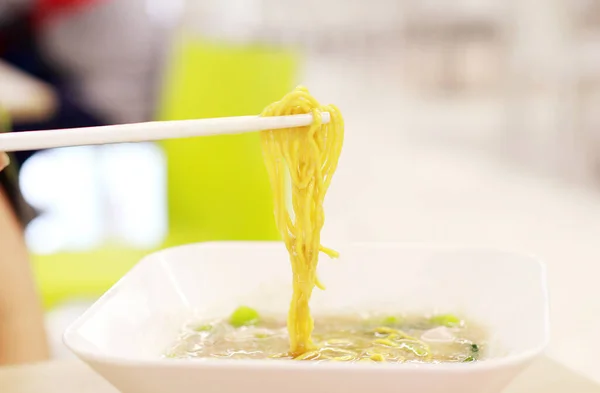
{"x": 70, "y": 334}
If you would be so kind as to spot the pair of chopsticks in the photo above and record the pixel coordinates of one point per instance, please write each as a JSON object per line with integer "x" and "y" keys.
{"x": 150, "y": 131}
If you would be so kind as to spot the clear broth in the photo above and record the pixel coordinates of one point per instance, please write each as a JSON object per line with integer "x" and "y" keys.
{"x": 349, "y": 338}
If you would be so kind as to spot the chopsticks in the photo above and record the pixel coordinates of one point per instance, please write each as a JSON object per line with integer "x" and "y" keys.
{"x": 150, "y": 131}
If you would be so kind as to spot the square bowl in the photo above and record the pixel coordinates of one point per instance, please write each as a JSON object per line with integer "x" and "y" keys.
{"x": 125, "y": 333}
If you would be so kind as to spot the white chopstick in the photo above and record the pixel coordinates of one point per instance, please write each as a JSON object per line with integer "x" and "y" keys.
{"x": 151, "y": 131}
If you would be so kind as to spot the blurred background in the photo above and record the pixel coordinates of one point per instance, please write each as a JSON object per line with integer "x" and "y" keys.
{"x": 470, "y": 121}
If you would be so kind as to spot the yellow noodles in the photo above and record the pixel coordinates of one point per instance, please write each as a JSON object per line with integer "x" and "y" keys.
{"x": 310, "y": 155}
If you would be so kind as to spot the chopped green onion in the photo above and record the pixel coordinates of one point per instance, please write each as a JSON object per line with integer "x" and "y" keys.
{"x": 244, "y": 316}
{"x": 390, "y": 321}
{"x": 203, "y": 328}
{"x": 448, "y": 320}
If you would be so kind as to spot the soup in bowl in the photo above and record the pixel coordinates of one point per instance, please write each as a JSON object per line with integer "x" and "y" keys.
{"x": 393, "y": 318}
{"x": 247, "y": 334}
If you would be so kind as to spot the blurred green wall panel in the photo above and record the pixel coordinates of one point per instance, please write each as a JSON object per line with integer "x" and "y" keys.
{"x": 218, "y": 187}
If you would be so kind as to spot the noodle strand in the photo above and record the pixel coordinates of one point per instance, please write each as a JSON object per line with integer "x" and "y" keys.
{"x": 310, "y": 156}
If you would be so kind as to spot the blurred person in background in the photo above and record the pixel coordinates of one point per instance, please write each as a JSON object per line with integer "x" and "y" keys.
{"x": 102, "y": 60}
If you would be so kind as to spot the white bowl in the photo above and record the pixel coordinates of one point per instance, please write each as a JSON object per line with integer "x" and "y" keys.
{"x": 124, "y": 334}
